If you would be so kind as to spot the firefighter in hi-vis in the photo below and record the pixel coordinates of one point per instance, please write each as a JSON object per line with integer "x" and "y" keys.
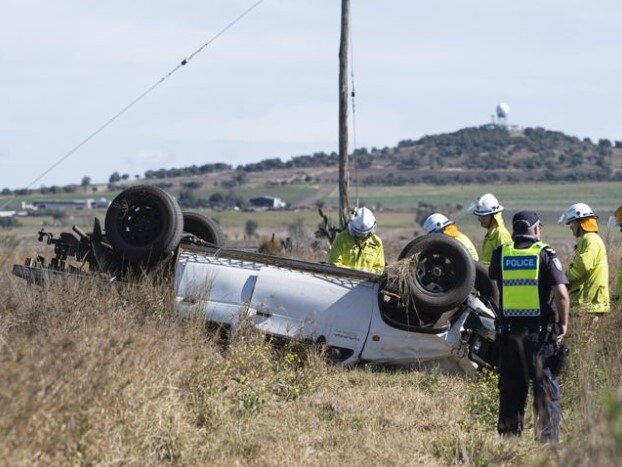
{"x": 488, "y": 210}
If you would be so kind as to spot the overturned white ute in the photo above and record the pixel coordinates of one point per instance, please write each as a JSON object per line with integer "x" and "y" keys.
{"x": 436, "y": 307}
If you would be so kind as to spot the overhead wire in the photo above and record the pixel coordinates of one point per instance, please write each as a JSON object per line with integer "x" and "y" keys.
{"x": 137, "y": 99}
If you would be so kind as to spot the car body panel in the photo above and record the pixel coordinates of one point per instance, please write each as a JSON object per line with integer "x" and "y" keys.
{"x": 295, "y": 303}
{"x": 220, "y": 288}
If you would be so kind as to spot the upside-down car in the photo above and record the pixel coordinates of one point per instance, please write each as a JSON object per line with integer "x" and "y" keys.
{"x": 441, "y": 310}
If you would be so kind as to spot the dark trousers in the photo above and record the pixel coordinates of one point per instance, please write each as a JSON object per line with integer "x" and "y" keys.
{"x": 521, "y": 361}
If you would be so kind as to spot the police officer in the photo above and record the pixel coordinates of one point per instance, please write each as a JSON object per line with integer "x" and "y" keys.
{"x": 358, "y": 247}
{"x": 440, "y": 223}
{"x": 526, "y": 271}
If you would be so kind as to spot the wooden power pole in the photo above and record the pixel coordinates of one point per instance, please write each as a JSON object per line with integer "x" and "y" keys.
{"x": 344, "y": 170}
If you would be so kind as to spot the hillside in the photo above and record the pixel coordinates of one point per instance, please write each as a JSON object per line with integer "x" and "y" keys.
{"x": 482, "y": 156}
{"x": 471, "y": 155}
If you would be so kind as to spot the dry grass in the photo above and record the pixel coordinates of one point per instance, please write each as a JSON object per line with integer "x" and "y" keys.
{"x": 91, "y": 374}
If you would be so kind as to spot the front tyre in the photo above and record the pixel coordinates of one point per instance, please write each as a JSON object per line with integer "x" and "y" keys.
{"x": 443, "y": 273}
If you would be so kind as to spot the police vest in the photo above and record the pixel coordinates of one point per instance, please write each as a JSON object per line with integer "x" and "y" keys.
{"x": 520, "y": 269}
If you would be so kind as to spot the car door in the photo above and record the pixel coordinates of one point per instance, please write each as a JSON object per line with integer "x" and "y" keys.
{"x": 299, "y": 304}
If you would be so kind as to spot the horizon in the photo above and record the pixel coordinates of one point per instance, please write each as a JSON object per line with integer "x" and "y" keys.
{"x": 268, "y": 87}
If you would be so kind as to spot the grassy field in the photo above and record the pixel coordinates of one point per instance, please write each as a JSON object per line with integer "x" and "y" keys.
{"x": 95, "y": 375}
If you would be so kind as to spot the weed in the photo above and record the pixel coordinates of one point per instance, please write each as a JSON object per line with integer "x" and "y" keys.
{"x": 484, "y": 398}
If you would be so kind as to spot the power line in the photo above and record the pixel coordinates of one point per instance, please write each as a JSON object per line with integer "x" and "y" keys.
{"x": 136, "y": 100}
{"x": 353, "y": 95}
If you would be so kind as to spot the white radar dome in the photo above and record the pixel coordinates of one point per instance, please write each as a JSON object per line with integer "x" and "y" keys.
{"x": 503, "y": 110}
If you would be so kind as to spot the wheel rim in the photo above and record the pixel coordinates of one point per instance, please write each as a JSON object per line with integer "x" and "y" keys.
{"x": 436, "y": 272}
{"x": 142, "y": 224}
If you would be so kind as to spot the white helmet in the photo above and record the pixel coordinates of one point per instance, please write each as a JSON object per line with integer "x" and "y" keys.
{"x": 575, "y": 212}
{"x": 436, "y": 222}
{"x": 485, "y": 205}
{"x": 362, "y": 223}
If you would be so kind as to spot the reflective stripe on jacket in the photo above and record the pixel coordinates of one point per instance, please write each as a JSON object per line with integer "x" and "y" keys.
{"x": 589, "y": 275}
{"x": 495, "y": 237}
{"x": 519, "y": 271}
{"x": 347, "y": 251}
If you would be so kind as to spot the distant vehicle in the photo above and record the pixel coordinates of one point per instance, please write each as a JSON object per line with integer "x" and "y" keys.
{"x": 267, "y": 202}
{"x": 444, "y": 314}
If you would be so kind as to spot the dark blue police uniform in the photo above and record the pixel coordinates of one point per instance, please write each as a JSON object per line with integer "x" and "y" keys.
{"x": 525, "y": 344}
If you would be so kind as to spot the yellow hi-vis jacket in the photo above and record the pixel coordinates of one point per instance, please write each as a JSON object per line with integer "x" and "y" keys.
{"x": 495, "y": 237}
{"x": 618, "y": 290}
{"x": 589, "y": 275}
{"x": 519, "y": 270}
{"x": 365, "y": 255}
{"x": 466, "y": 241}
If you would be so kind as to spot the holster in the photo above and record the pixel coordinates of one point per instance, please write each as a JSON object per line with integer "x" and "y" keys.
{"x": 549, "y": 333}
{"x": 558, "y": 361}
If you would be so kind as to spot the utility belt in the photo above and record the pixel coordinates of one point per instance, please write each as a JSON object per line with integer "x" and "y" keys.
{"x": 547, "y": 332}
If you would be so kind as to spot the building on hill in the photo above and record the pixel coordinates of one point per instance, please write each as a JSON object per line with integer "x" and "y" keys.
{"x": 268, "y": 202}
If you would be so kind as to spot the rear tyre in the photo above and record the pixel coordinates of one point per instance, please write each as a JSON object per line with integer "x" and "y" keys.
{"x": 443, "y": 274}
{"x": 204, "y": 228}
{"x": 143, "y": 224}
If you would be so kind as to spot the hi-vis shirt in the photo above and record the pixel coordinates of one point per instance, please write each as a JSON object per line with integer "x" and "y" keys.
{"x": 550, "y": 273}
{"x": 452, "y": 231}
{"x": 365, "y": 255}
{"x": 496, "y": 236}
{"x": 589, "y": 275}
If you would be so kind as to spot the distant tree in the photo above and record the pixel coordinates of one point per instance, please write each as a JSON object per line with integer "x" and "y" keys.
{"x": 86, "y": 182}
{"x": 22, "y": 192}
{"x": 59, "y": 216}
{"x": 125, "y": 176}
{"x": 6, "y": 192}
{"x": 193, "y": 185}
{"x": 9, "y": 222}
{"x": 187, "y": 199}
{"x": 114, "y": 178}
{"x": 136, "y": 176}
{"x": 216, "y": 199}
{"x": 250, "y": 228}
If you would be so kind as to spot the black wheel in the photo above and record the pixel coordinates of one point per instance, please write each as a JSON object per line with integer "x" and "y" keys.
{"x": 486, "y": 287}
{"x": 204, "y": 228}
{"x": 443, "y": 274}
{"x": 143, "y": 223}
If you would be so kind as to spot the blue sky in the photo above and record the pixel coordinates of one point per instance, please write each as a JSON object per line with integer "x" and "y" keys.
{"x": 268, "y": 87}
